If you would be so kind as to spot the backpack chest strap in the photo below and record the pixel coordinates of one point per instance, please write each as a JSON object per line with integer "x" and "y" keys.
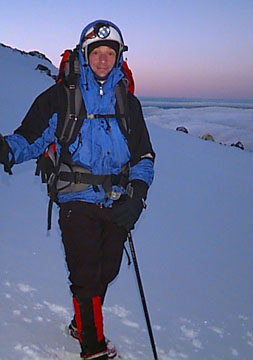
{"x": 101, "y": 116}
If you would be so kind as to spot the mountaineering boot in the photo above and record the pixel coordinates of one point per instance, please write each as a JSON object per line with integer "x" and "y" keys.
{"x": 98, "y": 356}
{"x": 111, "y": 349}
{"x": 94, "y": 352}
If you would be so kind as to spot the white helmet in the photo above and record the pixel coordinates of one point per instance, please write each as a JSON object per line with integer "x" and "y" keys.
{"x": 104, "y": 33}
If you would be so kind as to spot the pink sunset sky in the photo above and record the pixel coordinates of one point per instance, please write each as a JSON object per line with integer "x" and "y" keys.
{"x": 177, "y": 48}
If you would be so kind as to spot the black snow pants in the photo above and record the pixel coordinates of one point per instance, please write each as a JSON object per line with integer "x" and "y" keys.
{"x": 93, "y": 248}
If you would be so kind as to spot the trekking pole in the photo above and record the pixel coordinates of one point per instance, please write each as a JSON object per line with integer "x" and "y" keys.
{"x": 145, "y": 308}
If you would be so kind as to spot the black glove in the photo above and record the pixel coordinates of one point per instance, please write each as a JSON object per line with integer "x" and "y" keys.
{"x": 5, "y": 150}
{"x": 127, "y": 210}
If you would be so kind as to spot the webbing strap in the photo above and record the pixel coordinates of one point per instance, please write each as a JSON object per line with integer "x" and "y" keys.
{"x": 101, "y": 116}
{"x": 86, "y": 178}
{"x": 78, "y": 177}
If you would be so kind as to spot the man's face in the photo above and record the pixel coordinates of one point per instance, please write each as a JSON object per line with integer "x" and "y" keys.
{"x": 102, "y": 60}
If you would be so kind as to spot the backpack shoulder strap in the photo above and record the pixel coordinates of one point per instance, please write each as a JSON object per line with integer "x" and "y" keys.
{"x": 122, "y": 106}
{"x": 71, "y": 125}
{"x": 70, "y": 75}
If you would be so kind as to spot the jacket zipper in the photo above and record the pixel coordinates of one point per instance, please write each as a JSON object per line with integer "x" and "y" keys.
{"x": 101, "y": 91}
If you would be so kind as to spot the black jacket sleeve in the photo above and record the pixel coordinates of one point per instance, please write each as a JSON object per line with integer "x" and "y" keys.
{"x": 53, "y": 100}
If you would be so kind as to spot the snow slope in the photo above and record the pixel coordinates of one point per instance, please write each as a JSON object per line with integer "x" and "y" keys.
{"x": 194, "y": 247}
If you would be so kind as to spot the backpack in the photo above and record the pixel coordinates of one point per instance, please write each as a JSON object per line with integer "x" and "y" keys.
{"x": 58, "y": 171}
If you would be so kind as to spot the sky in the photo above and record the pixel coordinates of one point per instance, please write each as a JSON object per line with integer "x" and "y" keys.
{"x": 177, "y": 48}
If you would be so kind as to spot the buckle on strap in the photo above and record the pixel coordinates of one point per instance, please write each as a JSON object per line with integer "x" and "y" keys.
{"x": 73, "y": 117}
{"x": 77, "y": 177}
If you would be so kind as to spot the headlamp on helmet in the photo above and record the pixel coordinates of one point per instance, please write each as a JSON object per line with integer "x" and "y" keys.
{"x": 102, "y": 32}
